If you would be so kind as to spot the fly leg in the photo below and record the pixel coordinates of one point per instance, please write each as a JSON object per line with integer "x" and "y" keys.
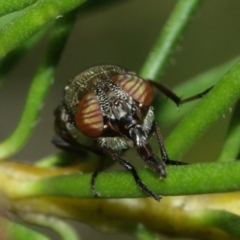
{"x": 167, "y": 92}
{"x": 163, "y": 150}
{"x": 76, "y": 150}
{"x": 93, "y": 179}
{"x": 69, "y": 146}
{"x": 130, "y": 168}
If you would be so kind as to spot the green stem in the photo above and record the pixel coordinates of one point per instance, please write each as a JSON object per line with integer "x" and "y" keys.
{"x": 166, "y": 43}
{"x": 223, "y": 220}
{"x": 12, "y": 6}
{"x": 166, "y": 112}
{"x": 64, "y": 230}
{"x": 185, "y": 180}
{"x": 39, "y": 88}
{"x": 142, "y": 233}
{"x": 209, "y": 109}
{"x": 7, "y": 63}
{"x": 31, "y": 20}
{"x": 12, "y": 230}
{"x": 231, "y": 146}
{"x": 59, "y": 159}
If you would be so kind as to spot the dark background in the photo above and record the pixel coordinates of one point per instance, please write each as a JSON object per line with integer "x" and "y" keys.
{"x": 123, "y": 34}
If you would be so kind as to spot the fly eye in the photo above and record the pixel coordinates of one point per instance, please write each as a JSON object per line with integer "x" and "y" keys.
{"x": 89, "y": 117}
{"x": 138, "y": 88}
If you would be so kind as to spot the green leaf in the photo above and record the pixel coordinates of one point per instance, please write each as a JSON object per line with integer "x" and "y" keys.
{"x": 182, "y": 180}
{"x": 7, "y": 63}
{"x": 32, "y": 20}
{"x": 64, "y": 230}
{"x": 12, "y": 231}
{"x": 231, "y": 146}
{"x": 223, "y": 220}
{"x": 167, "y": 113}
{"x": 166, "y": 43}
{"x": 220, "y": 99}
{"x": 12, "y": 6}
{"x": 39, "y": 87}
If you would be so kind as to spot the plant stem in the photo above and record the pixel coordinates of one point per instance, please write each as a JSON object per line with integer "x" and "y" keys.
{"x": 173, "y": 30}
{"x": 31, "y": 20}
{"x": 209, "y": 109}
{"x": 184, "y": 180}
{"x": 39, "y": 87}
{"x": 12, "y": 6}
{"x": 231, "y": 146}
{"x": 7, "y": 63}
{"x": 166, "y": 112}
{"x": 64, "y": 230}
{"x": 12, "y": 230}
{"x": 223, "y": 220}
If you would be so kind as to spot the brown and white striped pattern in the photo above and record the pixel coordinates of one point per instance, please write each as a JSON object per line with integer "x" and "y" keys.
{"x": 89, "y": 118}
{"x": 138, "y": 88}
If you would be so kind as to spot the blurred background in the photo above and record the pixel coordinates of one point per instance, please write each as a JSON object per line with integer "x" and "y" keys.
{"x": 123, "y": 34}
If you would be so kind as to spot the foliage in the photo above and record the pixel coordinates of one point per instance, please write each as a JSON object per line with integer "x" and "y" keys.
{"x": 44, "y": 194}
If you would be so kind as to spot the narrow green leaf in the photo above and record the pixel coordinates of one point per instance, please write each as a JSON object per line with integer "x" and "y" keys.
{"x": 182, "y": 180}
{"x": 12, "y": 231}
{"x": 220, "y": 99}
{"x": 64, "y": 230}
{"x": 224, "y": 220}
{"x": 31, "y": 20}
{"x": 12, "y": 6}
{"x": 7, "y": 63}
{"x": 39, "y": 88}
{"x": 231, "y": 146}
{"x": 167, "y": 113}
{"x": 173, "y": 30}
{"x": 142, "y": 233}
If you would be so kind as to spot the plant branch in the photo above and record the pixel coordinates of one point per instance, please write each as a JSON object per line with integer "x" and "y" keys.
{"x": 31, "y": 20}
{"x": 12, "y": 6}
{"x": 231, "y": 146}
{"x": 206, "y": 112}
{"x": 223, "y": 220}
{"x": 166, "y": 43}
{"x": 185, "y": 180}
{"x": 64, "y": 230}
{"x": 166, "y": 112}
{"x": 7, "y": 63}
{"x": 13, "y": 230}
{"x": 39, "y": 87}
